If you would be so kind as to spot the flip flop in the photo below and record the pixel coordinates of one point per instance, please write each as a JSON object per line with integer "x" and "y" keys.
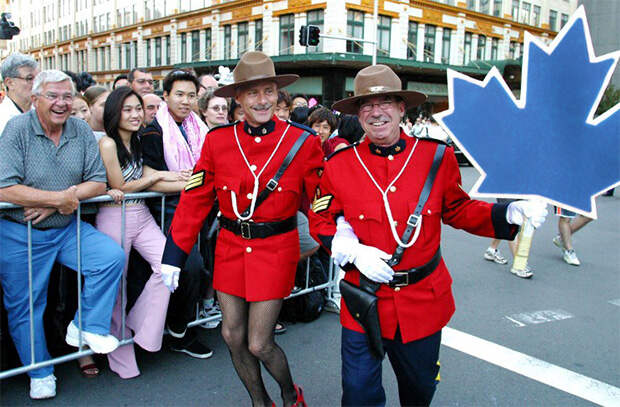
{"x": 89, "y": 370}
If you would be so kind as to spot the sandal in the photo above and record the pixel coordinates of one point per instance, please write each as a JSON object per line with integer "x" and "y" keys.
{"x": 280, "y": 328}
{"x": 89, "y": 370}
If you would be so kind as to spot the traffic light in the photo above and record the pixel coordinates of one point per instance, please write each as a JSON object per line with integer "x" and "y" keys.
{"x": 303, "y": 36}
{"x": 7, "y": 27}
{"x": 313, "y": 35}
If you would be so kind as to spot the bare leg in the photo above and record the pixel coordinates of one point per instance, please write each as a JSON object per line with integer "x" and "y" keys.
{"x": 235, "y": 334}
{"x": 512, "y": 244}
{"x": 494, "y": 244}
{"x": 564, "y": 228}
{"x": 579, "y": 222}
{"x": 263, "y": 315}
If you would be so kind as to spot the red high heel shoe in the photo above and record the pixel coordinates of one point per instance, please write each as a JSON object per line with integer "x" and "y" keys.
{"x": 300, "y": 397}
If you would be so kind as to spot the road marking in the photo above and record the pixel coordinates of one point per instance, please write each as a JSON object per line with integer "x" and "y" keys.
{"x": 538, "y": 317}
{"x": 562, "y": 379}
{"x": 615, "y": 302}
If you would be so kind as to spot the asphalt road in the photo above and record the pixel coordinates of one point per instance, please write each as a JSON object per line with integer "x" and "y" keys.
{"x": 566, "y": 317}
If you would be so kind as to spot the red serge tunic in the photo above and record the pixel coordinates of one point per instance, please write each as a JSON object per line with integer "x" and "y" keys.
{"x": 346, "y": 189}
{"x": 254, "y": 269}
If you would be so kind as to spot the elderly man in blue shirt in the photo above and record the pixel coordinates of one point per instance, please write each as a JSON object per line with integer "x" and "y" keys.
{"x": 48, "y": 163}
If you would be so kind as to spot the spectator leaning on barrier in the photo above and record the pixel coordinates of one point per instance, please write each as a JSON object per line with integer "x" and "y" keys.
{"x": 172, "y": 142}
{"x": 122, "y": 156}
{"x": 31, "y": 175}
{"x": 370, "y": 204}
{"x": 141, "y": 81}
{"x": 18, "y": 73}
{"x": 151, "y": 106}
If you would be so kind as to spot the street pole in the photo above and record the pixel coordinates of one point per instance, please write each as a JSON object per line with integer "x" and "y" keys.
{"x": 376, "y": 17}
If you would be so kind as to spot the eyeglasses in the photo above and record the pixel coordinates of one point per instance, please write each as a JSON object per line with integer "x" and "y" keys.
{"x": 143, "y": 81}
{"x": 383, "y": 105}
{"x": 52, "y": 97}
{"x": 218, "y": 108}
{"x": 27, "y": 78}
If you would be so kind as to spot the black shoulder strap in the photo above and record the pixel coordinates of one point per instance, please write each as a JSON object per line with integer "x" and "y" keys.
{"x": 273, "y": 182}
{"x": 414, "y": 218}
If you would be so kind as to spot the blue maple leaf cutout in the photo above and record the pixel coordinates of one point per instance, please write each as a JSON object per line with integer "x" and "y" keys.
{"x": 548, "y": 144}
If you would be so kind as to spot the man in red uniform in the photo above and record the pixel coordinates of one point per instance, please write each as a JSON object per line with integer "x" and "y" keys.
{"x": 258, "y": 247}
{"x": 366, "y": 197}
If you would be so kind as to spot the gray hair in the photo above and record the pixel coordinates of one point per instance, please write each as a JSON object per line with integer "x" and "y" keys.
{"x": 13, "y": 62}
{"x": 50, "y": 76}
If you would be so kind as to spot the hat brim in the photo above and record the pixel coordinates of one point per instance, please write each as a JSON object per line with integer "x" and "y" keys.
{"x": 350, "y": 105}
{"x": 230, "y": 91}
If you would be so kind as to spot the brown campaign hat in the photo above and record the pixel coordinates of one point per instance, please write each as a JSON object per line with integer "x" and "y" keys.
{"x": 253, "y": 67}
{"x": 377, "y": 80}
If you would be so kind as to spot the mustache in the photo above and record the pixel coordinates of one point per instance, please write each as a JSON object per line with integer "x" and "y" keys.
{"x": 264, "y": 106}
{"x": 380, "y": 117}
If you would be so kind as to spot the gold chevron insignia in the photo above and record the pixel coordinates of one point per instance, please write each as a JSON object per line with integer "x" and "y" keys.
{"x": 322, "y": 203}
{"x": 195, "y": 181}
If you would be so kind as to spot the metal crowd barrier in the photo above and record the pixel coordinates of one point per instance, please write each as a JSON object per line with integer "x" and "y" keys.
{"x": 330, "y": 286}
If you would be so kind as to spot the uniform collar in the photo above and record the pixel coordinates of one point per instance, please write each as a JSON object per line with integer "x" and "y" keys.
{"x": 261, "y": 130}
{"x": 394, "y": 149}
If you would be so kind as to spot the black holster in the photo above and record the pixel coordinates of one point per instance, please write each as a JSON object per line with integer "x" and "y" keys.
{"x": 362, "y": 304}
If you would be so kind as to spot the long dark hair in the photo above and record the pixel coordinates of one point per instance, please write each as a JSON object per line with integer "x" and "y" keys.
{"x": 111, "y": 119}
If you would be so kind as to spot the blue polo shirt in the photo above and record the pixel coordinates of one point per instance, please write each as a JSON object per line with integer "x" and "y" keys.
{"x": 28, "y": 157}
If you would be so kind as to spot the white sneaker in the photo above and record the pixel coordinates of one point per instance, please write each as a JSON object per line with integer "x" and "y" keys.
{"x": 333, "y": 305}
{"x": 98, "y": 343}
{"x": 214, "y": 312}
{"x": 557, "y": 240}
{"x": 525, "y": 273}
{"x": 571, "y": 258}
{"x": 494, "y": 255}
{"x": 43, "y": 388}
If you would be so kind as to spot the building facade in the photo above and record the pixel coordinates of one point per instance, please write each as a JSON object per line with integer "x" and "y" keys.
{"x": 419, "y": 39}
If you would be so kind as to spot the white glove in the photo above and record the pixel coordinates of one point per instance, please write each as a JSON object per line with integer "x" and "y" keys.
{"x": 343, "y": 243}
{"x": 535, "y": 210}
{"x": 170, "y": 276}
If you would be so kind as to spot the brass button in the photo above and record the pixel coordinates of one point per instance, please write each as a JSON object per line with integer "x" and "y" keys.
{"x": 390, "y": 157}
{"x": 397, "y": 289}
{"x": 224, "y": 187}
{"x": 361, "y": 217}
{"x": 253, "y": 167}
{"x": 258, "y": 139}
{"x": 392, "y": 188}
{"x": 279, "y": 189}
{"x": 428, "y": 211}
{"x": 357, "y": 315}
{"x": 248, "y": 249}
{"x": 249, "y": 195}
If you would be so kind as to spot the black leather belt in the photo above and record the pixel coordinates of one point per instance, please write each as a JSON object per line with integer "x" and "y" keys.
{"x": 252, "y": 230}
{"x": 407, "y": 277}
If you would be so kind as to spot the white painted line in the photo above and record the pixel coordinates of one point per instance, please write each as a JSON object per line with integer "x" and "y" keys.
{"x": 540, "y": 317}
{"x": 615, "y": 302}
{"x": 562, "y": 379}
{"x": 517, "y": 323}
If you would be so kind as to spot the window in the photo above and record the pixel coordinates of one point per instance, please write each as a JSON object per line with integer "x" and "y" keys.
{"x": 383, "y": 32}
{"x": 258, "y": 35}
{"x": 195, "y": 45}
{"x": 287, "y": 34}
{"x": 134, "y": 53}
{"x": 563, "y": 20}
{"x": 494, "y": 47}
{"x": 355, "y": 29}
{"x": 536, "y": 16}
{"x": 513, "y": 46}
{"x": 227, "y": 41}
{"x": 485, "y": 6}
{"x": 96, "y": 55}
{"x": 471, "y": 4}
{"x": 208, "y": 44}
{"x": 412, "y": 40}
{"x": 429, "y": 43}
{"x": 167, "y": 60}
{"x": 482, "y": 43}
{"x": 553, "y": 18}
{"x": 515, "y": 10}
{"x": 467, "y": 49}
{"x": 445, "y": 48}
{"x": 158, "y": 51}
{"x": 183, "y": 47}
{"x": 525, "y": 12}
{"x": 315, "y": 17}
{"x": 242, "y": 38}
{"x": 147, "y": 58}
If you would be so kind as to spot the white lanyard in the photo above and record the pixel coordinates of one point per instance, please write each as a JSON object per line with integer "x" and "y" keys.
{"x": 386, "y": 203}
{"x": 233, "y": 195}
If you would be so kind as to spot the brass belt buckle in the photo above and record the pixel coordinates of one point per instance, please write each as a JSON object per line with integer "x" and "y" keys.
{"x": 245, "y": 230}
{"x": 402, "y": 273}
